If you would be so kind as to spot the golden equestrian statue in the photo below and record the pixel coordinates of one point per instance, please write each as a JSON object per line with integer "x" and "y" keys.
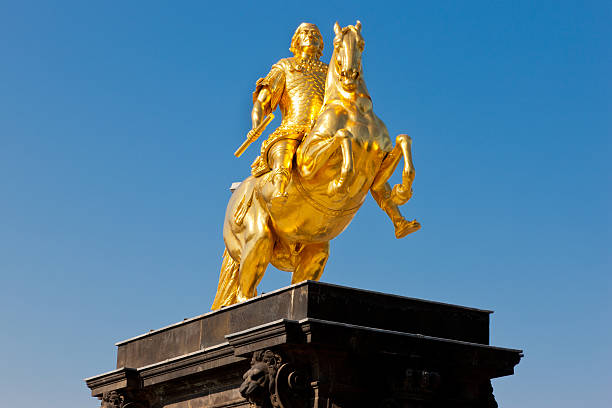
{"x": 315, "y": 169}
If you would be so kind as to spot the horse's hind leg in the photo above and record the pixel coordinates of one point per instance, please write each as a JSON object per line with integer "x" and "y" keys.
{"x": 256, "y": 255}
{"x": 311, "y": 262}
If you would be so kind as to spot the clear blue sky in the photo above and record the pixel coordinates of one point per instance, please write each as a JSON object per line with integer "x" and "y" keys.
{"x": 118, "y": 121}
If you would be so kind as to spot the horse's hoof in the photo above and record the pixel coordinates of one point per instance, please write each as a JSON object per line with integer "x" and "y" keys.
{"x": 405, "y": 227}
{"x": 337, "y": 190}
{"x": 400, "y": 195}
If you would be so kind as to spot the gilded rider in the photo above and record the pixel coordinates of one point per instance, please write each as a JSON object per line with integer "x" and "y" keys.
{"x": 297, "y": 84}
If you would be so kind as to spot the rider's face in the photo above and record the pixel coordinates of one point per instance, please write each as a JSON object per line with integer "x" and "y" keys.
{"x": 309, "y": 40}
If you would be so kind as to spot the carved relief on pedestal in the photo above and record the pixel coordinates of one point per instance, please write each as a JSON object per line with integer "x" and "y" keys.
{"x": 114, "y": 399}
{"x": 273, "y": 382}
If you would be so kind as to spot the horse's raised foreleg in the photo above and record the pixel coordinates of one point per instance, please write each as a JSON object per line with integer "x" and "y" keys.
{"x": 388, "y": 199}
{"x": 339, "y": 186}
{"x": 311, "y": 262}
{"x": 313, "y": 155}
{"x": 387, "y": 167}
{"x": 402, "y": 192}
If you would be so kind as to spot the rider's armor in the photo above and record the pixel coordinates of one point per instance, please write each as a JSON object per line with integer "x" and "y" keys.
{"x": 298, "y": 86}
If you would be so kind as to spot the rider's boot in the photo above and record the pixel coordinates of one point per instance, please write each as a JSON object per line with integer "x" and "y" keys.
{"x": 280, "y": 179}
{"x": 280, "y": 156}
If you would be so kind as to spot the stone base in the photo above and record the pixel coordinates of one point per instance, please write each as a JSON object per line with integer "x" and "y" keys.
{"x": 313, "y": 345}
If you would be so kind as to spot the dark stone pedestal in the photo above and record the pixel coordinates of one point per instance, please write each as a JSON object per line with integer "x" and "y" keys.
{"x": 313, "y": 345}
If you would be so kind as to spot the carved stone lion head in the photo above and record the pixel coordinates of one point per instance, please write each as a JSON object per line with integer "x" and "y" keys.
{"x": 256, "y": 384}
{"x": 112, "y": 399}
{"x": 259, "y": 381}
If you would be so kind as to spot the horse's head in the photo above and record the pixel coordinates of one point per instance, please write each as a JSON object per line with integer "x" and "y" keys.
{"x": 348, "y": 46}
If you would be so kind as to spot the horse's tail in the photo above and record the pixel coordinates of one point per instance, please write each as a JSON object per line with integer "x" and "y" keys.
{"x": 227, "y": 292}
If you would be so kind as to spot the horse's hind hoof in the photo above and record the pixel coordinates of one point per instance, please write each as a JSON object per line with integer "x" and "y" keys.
{"x": 405, "y": 227}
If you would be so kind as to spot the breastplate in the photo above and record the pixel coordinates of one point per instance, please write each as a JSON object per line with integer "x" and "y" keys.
{"x": 303, "y": 95}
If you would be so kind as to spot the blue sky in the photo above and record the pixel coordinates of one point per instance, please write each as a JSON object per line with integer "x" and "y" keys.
{"x": 118, "y": 121}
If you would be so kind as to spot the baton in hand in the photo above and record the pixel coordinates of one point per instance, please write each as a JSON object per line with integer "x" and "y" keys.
{"x": 254, "y": 134}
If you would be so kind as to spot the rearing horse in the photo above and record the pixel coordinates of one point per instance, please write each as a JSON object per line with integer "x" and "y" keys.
{"x": 347, "y": 153}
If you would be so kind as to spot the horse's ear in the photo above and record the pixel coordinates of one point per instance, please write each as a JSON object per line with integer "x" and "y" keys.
{"x": 337, "y": 28}
{"x": 358, "y": 26}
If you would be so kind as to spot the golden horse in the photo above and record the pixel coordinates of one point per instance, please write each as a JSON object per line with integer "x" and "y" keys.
{"x": 347, "y": 153}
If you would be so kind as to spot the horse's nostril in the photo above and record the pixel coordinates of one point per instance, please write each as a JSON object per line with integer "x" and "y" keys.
{"x": 350, "y": 74}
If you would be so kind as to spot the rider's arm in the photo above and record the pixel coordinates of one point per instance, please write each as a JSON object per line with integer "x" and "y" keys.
{"x": 267, "y": 93}
{"x": 261, "y": 106}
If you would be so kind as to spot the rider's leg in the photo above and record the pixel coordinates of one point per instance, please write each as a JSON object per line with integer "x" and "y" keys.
{"x": 311, "y": 263}
{"x": 280, "y": 159}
